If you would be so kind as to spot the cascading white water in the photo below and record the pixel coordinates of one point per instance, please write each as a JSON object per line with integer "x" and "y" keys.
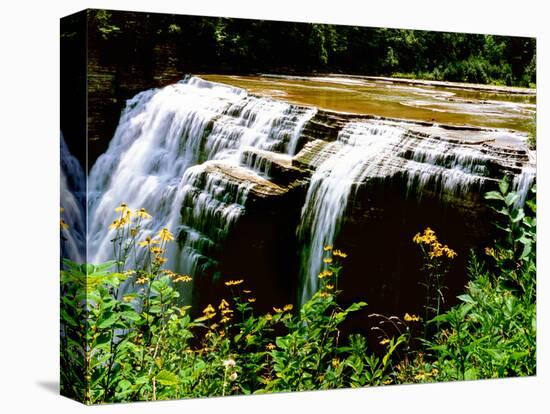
{"x": 72, "y": 201}
{"x": 190, "y": 153}
{"x": 354, "y": 155}
{"x": 446, "y": 168}
{"x": 293, "y": 143}
{"x": 163, "y": 157}
{"x": 522, "y": 184}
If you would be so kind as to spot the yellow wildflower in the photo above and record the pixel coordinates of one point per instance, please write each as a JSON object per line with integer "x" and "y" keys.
{"x": 252, "y": 300}
{"x": 225, "y": 319}
{"x": 411, "y": 318}
{"x": 335, "y": 362}
{"x": 451, "y": 254}
{"x": 143, "y": 214}
{"x": 288, "y": 307}
{"x": 223, "y": 304}
{"x": 324, "y": 294}
{"x": 148, "y": 241}
{"x": 247, "y": 291}
{"x": 234, "y": 282}
{"x": 123, "y": 209}
{"x": 327, "y": 248}
{"x": 340, "y": 253}
{"x": 141, "y": 280}
{"x": 384, "y": 341}
{"x": 327, "y": 260}
{"x": 268, "y": 316}
{"x": 278, "y": 310}
{"x": 63, "y": 224}
{"x": 329, "y": 286}
{"x": 159, "y": 260}
{"x": 325, "y": 273}
{"x": 157, "y": 250}
{"x": 270, "y": 346}
{"x": 209, "y": 312}
{"x": 165, "y": 235}
{"x": 183, "y": 278}
{"x": 428, "y": 237}
{"x": 214, "y": 326}
{"x": 116, "y": 224}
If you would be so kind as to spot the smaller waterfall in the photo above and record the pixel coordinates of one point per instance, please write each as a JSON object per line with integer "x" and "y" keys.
{"x": 355, "y": 154}
{"x": 295, "y": 137}
{"x": 443, "y": 167}
{"x": 72, "y": 200}
{"x": 522, "y": 184}
{"x": 210, "y": 204}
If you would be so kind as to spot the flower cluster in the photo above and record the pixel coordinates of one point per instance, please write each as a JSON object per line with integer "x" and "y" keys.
{"x": 234, "y": 282}
{"x": 411, "y": 318}
{"x": 226, "y": 311}
{"x": 325, "y": 273}
{"x": 436, "y": 249}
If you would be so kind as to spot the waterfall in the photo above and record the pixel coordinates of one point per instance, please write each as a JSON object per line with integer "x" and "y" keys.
{"x": 72, "y": 201}
{"x": 293, "y": 144}
{"x": 522, "y": 183}
{"x": 169, "y": 155}
{"x": 354, "y": 155}
{"x": 192, "y": 154}
{"x": 448, "y": 169}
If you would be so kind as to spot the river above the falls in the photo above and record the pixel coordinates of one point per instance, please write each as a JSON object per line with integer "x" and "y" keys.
{"x": 437, "y": 102}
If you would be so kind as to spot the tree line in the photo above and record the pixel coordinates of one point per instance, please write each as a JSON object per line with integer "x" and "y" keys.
{"x": 246, "y": 46}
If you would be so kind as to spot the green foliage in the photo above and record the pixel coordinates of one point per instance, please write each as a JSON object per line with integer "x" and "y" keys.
{"x": 240, "y": 45}
{"x": 125, "y": 336}
{"x": 492, "y": 332}
{"x": 123, "y": 350}
{"x": 437, "y": 260}
{"x": 102, "y": 21}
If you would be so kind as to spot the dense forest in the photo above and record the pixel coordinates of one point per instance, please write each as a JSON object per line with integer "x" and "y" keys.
{"x": 247, "y": 46}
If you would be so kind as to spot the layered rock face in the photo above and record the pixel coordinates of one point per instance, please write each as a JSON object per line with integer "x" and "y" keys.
{"x": 255, "y": 187}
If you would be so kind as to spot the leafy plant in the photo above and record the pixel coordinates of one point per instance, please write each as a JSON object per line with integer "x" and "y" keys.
{"x": 436, "y": 265}
{"x": 138, "y": 343}
{"x": 492, "y": 332}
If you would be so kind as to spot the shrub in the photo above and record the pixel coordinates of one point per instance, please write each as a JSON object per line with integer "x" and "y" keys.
{"x": 492, "y": 332}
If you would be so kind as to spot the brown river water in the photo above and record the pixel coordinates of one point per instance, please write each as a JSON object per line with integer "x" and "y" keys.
{"x": 443, "y": 103}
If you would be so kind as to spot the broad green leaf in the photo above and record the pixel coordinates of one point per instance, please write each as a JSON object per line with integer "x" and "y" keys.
{"x": 493, "y": 195}
{"x": 107, "y": 320}
{"x": 511, "y": 198}
{"x": 503, "y": 186}
{"x": 167, "y": 378}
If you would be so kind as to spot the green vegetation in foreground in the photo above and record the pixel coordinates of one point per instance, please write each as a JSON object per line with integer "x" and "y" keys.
{"x": 143, "y": 345}
{"x": 247, "y": 46}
